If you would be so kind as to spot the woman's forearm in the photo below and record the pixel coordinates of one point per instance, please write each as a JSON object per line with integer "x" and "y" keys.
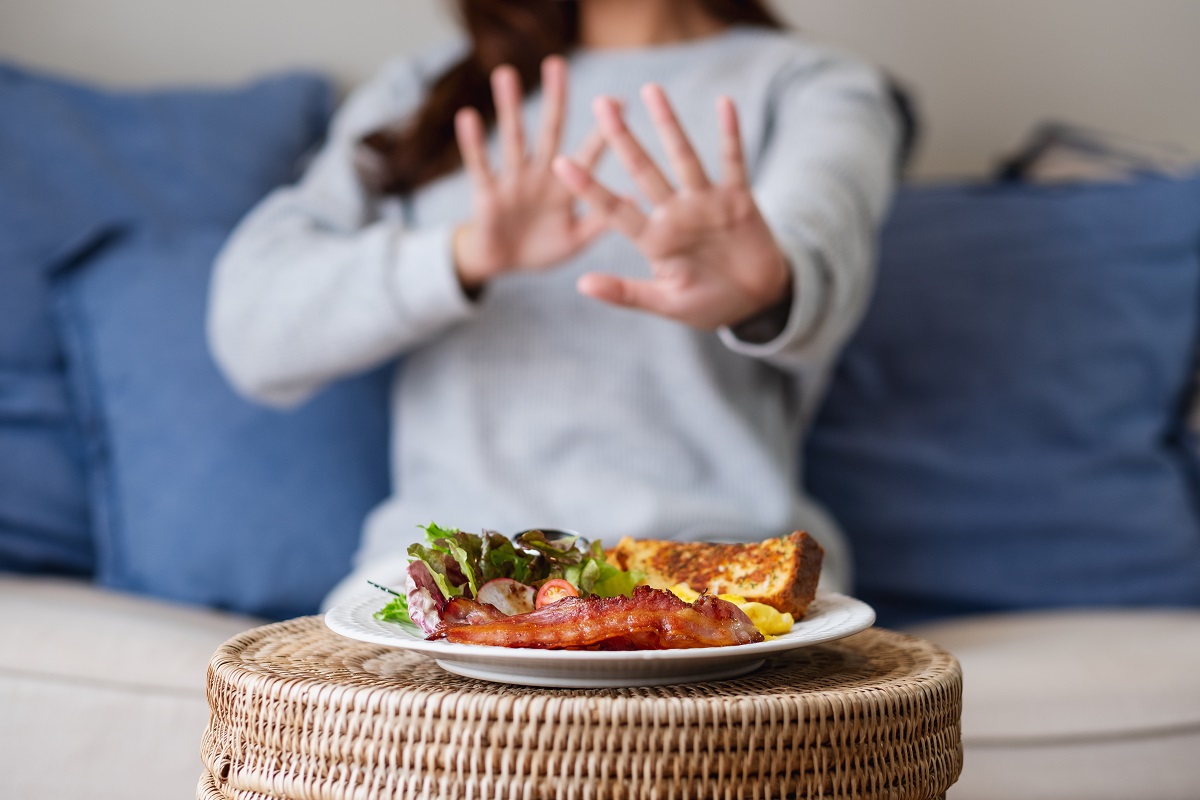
{"x": 824, "y": 185}
{"x": 294, "y": 307}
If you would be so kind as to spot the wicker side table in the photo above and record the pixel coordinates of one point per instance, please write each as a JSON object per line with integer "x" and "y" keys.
{"x": 300, "y": 712}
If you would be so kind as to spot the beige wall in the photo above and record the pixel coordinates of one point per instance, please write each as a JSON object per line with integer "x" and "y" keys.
{"x": 985, "y": 70}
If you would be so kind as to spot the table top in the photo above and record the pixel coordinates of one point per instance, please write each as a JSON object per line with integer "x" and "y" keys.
{"x": 298, "y": 711}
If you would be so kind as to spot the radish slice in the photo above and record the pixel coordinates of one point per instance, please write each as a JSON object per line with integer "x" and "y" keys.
{"x": 511, "y": 597}
{"x": 425, "y": 601}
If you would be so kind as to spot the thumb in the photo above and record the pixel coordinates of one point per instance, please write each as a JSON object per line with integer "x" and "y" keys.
{"x": 624, "y": 292}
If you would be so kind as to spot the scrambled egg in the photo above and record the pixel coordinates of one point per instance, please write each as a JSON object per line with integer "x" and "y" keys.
{"x": 768, "y": 621}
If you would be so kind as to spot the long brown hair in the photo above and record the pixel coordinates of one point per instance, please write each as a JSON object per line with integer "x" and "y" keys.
{"x": 408, "y": 155}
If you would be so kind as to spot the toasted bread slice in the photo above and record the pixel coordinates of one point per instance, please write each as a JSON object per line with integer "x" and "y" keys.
{"x": 781, "y": 573}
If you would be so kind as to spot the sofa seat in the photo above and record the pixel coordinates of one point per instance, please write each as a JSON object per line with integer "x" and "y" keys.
{"x": 103, "y": 697}
{"x": 102, "y": 693}
{"x": 1079, "y": 704}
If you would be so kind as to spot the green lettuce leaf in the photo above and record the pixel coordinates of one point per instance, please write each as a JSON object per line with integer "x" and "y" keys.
{"x": 433, "y": 532}
{"x": 501, "y": 560}
{"x": 612, "y": 581}
{"x": 562, "y": 552}
{"x": 448, "y": 583}
{"x": 466, "y": 549}
{"x": 594, "y": 575}
{"x": 462, "y": 562}
{"x": 395, "y": 611}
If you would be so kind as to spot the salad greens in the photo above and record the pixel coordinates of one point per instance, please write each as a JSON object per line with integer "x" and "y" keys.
{"x": 459, "y": 563}
{"x": 395, "y": 611}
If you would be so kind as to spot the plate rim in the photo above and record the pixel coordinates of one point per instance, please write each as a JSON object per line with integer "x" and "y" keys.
{"x": 859, "y": 617}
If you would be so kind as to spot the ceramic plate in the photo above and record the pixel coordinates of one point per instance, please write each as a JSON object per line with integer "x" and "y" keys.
{"x": 830, "y": 616}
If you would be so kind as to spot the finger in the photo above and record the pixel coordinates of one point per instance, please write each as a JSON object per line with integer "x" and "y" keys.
{"x": 554, "y": 101}
{"x": 683, "y": 158}
{"x": 468, "y": 129}
{"x": 588, "y": 154}
{"x": 588, "y": 228}
{"x": 616, "y": 211}
{"x": 624, "y": 292}
{"x": 506, "y": 91}
{"x": 641, "y": 168}
{"x": 733, "y": 160}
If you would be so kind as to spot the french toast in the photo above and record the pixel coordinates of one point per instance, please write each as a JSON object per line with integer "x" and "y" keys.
{"x": 781, "y": 573}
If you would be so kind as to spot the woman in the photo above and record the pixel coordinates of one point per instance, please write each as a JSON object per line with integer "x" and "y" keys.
{"x": 590, "y": 343}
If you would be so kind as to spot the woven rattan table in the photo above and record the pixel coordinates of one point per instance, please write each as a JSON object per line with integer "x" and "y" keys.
{"x": 300, "y": 712}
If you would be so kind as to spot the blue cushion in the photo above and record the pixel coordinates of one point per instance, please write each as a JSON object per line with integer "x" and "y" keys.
{"x": 201, "y": 496}
{"x": 178, "y": 156}
{"x": 44, "y": 518}
{"x": 1005, "y": 430}
{"x": 75, "y": 160}
{"x": 44, "y": 524}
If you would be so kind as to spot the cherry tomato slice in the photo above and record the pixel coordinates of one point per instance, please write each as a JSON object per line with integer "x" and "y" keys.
{"x": 553, "y": 591}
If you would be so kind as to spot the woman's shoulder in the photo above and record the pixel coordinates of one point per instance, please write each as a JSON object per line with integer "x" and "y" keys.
{"x": 419, "y": 71}
{"x": 396, "y": 89}
{"x": 789, "y": 61}
{"x": 792, "y": 50}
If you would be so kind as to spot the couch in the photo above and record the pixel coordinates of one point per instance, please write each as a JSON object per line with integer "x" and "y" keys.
{"x": 1005, "y": 441}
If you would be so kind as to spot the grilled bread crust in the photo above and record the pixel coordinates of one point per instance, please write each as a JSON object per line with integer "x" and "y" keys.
{"x": 781, "y": 573}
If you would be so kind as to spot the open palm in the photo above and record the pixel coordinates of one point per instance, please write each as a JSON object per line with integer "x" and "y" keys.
{"x": 523, "y": 217}
{"x": 712, "y": 257}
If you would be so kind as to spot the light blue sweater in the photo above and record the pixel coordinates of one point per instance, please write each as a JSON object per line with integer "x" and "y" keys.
{"x": 536, "y": 406}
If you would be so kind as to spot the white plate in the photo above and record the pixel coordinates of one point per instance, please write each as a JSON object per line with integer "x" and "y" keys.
{"x": 830, "y": 616}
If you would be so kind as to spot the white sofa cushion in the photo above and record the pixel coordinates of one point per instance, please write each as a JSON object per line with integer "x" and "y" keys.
{"x": 102, "y": 693}
{"x": 1078, "y": 704}
{"x": 103, "y": 697}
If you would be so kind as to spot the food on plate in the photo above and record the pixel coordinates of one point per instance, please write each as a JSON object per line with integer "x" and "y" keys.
{"x": 461, "y": 611}
{"x": 554, "y": 590}
{"x": 768, "y": 620}
{"x": 674, "y": 594}
{"x": 781, "y": 573}
{"x": 505, "y": 573}
{"x": 509, "y": 596}
{"x": 650, "y": 619}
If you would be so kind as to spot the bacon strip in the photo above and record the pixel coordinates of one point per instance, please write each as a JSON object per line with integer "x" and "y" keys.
{"x": 461, "y": 611}
{"x": 653, "y": 619}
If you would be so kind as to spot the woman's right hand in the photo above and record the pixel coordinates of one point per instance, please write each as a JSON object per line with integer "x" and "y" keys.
{"x": 524, "y": 218}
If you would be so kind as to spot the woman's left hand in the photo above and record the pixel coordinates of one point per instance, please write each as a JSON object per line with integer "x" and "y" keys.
{"x": 713, "y": 260}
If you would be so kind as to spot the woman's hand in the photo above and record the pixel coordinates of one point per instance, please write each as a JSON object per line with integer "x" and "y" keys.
{"x": 712, "y": 257}
{"x": 524, "y": 218}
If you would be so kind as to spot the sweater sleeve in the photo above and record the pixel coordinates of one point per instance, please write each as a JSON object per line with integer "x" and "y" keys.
{"x": 314, "y": 285}
{"x": 824, "y": 182}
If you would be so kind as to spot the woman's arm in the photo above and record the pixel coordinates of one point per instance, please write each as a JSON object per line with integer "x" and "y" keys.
{"x": 823, "y": 184}
{"x": 779, "y": 263}
{"x": 313, "y": 285}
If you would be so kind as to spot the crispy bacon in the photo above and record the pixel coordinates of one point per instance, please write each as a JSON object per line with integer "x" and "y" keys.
{"x": 461, "y": 611}
{"x": 653, "y": 619}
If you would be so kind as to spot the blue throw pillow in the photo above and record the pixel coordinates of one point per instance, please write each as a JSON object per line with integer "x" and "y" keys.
{"x": 74, "y": 161}
{"x": 1005, "y": 431}
{"x": 44, "y": 516}
{"x": 44, "y": 523}
{"x": 201, "y": 496}
{"x": 173, "y": 156}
